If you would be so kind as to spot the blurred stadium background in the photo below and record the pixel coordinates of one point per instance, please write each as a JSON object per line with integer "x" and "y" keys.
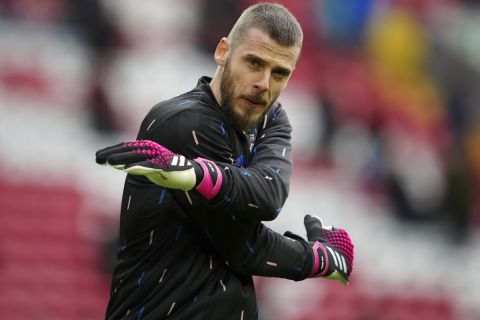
{"x": 385, "y": 105}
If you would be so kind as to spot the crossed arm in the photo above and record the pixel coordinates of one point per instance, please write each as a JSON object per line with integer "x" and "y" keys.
{"x": 231, "y": 217}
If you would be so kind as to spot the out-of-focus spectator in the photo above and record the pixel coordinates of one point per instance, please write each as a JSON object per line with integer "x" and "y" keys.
{"x": 215, "y": 16}
{"x": 412, "y": 111}
{"x": 93, "y": 25}
{"x": 341, "y": 22}
{"x": 88, "y": 22}
{"x": 48, "y": 11}
{"x": 473, "y": 160}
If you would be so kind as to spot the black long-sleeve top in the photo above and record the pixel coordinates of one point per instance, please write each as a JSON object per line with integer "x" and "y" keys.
{"x": 183, "y": 257}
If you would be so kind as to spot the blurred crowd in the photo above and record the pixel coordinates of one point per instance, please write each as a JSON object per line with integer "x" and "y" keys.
{"x": 392, "y": 88}
{"x": 394, "y": 83}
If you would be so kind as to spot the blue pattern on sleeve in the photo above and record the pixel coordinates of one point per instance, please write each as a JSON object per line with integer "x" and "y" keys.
{"x": 241, "y": 160}
{"x": 140, "y": 280}
{"x": 222, "y": 128}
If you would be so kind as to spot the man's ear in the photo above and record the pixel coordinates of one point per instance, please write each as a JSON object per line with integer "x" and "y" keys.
{"x": 222, "y": 51}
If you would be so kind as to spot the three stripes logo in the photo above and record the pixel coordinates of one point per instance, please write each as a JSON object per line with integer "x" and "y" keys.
{"x": 338, "y": 260}
{"x": 180, "y": 161}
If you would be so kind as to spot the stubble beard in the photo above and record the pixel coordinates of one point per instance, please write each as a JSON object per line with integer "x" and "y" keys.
{"x": 239, "y": 122}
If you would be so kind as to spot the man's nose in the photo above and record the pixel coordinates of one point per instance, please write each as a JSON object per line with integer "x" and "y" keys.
{"x": 263, "y": 82}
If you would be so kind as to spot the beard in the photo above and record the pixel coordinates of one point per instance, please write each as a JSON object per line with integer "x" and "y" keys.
{"x": 250, "y": 119}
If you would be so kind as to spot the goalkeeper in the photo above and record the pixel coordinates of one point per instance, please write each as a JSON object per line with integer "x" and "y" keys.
{"x": 206, "y": 168}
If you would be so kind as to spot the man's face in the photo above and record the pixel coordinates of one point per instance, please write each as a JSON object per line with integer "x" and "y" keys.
{"x": 255, "y": 72}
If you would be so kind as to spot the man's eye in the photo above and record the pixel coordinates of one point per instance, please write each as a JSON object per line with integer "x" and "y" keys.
{"x": 254, "y": 63}
{"x": 280, "y": 75}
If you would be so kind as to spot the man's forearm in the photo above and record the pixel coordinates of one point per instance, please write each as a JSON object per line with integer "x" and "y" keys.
{"x": 251, "y": 248}
{"x": 274, "y": 255}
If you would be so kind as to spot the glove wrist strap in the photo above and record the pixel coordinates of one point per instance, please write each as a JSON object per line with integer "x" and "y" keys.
{"x": 319, "y": 262}
{"x": 212, "y": 179}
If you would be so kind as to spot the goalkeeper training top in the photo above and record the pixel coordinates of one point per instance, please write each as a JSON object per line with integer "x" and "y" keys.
{"x": 181, "y": 256}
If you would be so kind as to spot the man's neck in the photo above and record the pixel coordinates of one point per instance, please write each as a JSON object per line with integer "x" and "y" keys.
{"x": 215, "y": 86}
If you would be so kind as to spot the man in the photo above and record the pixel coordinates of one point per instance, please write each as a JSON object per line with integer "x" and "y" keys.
{"x": 207, "y": 167}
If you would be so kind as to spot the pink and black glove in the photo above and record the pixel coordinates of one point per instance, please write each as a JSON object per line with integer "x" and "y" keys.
{"x": 332, "y": 250}
{"x": 163, "y": 167}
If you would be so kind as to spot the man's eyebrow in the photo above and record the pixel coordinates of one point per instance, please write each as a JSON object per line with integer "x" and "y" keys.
{"x": 282, "y": 71}
{"x": 253, "y": 56}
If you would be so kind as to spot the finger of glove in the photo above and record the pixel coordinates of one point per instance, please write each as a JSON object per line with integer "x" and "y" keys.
{"x": 294, "y": 236}
{"x": 127, "y": 158}
{"x": 157, "y": 162}
{"x": 102, "y": 154}
{"x": 313, "y": 226}
{"x": 290, "y": 234}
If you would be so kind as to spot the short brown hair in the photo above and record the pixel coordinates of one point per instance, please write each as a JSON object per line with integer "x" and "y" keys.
{"x": 271, "y": 18}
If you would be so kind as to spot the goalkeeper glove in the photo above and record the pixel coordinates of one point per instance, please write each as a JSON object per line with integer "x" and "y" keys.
{"x": 163, "y": 167}
{"x": 332, "y": 250}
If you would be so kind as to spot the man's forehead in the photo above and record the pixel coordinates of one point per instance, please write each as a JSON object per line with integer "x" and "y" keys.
{"x": 259, "y": 43}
